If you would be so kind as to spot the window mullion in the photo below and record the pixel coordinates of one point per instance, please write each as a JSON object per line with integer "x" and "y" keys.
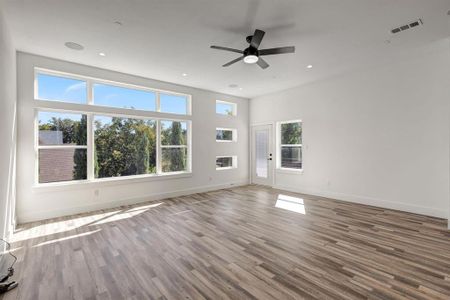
{"x": 173, "y": 146}
{"x": 189, "y": 146}
{"x": 36, "y": 145}
{"x": 158, "y": 102}
{"x": 90, "y": 133}
{"x": 90, "y": 92}
{"x": 90, "y": 147}
{"x": 62, "y": 147}
{"x": 158, "y": 144}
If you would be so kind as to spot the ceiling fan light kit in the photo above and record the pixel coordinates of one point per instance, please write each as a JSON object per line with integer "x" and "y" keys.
{"x": 252, "y": 54}
{"x": 251, "y": 59}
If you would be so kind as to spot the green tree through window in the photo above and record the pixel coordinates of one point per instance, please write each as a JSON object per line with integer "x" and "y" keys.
{"x": 291, "y": 145}
{"x": 124, "y": 146}
{"x": 173, "y": 146}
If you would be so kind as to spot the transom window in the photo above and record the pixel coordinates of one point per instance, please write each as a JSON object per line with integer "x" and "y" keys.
{"x": 122, "y": 97}
{"x": 226, "y": 108}
{"x": 55, "y": 86}
{"x": 290, "y": 145}
{"x": 101, "y": 130}
{"x": 59, "y": 88}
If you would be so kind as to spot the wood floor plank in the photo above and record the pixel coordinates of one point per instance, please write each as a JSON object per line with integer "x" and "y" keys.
{"x": 234, "y": 244}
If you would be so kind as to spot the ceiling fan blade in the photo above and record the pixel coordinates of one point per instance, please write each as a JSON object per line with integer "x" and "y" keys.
{"x": 257, "y": 38}
{"x": 227, "y": 49}
{"x": 280, "y": 50}
{"x": 262, "y": 63}
{"x": 233, "y": 61}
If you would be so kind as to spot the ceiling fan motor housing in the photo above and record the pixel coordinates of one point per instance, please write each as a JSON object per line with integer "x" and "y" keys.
{"x": 251, "y": 51}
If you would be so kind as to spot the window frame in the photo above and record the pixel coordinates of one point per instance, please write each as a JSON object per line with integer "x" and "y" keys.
{"x": 233, "y": 133}
{"x": 279, "y": 147}
{"x": 43, "y": 147}
{"x": 90, "y": 81}
{"x": 90, "y": 110}
{"x": 233, "y": 162}
{"x": 160, "y": 147}
{"x": 234, "y": 107}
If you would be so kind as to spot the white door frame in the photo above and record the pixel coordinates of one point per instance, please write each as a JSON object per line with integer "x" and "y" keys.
{"x": 271, "y": 173}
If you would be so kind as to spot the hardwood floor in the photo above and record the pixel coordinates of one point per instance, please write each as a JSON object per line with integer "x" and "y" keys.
{"x": 235, "y": 244}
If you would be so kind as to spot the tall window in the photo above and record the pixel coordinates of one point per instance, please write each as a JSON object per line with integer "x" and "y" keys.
{"x": 106, "y": 130}
{"x": 173, "y": 146}
{"x": 290, "y": 141}
{"x": 62, "y": 146}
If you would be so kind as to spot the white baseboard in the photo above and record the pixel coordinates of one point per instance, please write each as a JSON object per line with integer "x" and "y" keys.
{"x": 417, "y": 209}
{"x": 33, "y": 216}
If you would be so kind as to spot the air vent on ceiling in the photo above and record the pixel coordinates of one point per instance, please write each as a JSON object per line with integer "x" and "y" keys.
{"x": 407, "y": 26}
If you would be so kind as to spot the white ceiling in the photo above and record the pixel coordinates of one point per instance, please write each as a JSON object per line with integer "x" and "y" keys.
{"x": 163, "y": 39}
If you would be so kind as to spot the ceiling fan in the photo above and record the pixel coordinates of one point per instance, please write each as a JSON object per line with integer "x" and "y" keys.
{"x": 252, "y": 54}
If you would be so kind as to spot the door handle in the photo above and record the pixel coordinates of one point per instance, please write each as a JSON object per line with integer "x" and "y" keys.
{"x": 269, "y": 158}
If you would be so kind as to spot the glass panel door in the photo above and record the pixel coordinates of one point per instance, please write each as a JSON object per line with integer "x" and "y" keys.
{"x": 262, "y": 161}
{"x": 261, "y": 149}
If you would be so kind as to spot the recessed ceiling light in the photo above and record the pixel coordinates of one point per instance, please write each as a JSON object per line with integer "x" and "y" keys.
{"x": 102, "y": 54}
{"x": 184, "y": 74}
{"x": 73, "y": 46}
{"x": 309, "y": 66}
{"x": 241, "y": 89}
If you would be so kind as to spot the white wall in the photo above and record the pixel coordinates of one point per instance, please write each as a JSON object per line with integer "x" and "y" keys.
{"x": 8, "y": 129}
{"x": 378, "y": 136}
{"x": 34, "y": 203}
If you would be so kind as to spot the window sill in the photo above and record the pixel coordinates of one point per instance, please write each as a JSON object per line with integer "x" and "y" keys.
{"x": 226, "y": 116}
{"x": 54, "y": 186}
{"x": 289, "y": 171}
{"x": 225, "y": 141}
{"x": 225, "y": 168}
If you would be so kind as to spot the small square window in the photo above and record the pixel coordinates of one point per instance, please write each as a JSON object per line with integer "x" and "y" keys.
{"x": 226, "y": 162}
{"x": 225, "y": 135}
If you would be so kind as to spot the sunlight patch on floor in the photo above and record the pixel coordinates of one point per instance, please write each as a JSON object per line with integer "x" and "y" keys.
{"x": 126, "y": 214}
{"x": 290, "y": 203}
{"x": 60, "y": 226}
{"x": 66, "y": 238}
